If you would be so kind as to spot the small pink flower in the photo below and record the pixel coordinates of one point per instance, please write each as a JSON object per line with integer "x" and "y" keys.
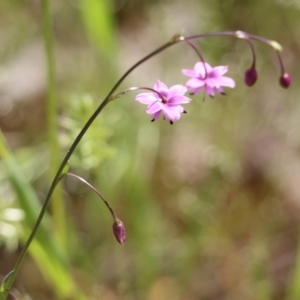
{"x": 166, "y": 101}
{"x": 210, "y": 79}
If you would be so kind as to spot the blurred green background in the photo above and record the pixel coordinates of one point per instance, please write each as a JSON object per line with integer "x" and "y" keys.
{"x": 211, "y": 204}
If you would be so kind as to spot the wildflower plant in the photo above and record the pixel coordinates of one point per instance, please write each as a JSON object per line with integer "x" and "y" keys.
{"x": 161, "y": 101}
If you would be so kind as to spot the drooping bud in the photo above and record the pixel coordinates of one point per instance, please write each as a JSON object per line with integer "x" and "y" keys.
{"x": 250, "y": 76}
{"x": 119, "y": 231}
{"x": 285, "y": 80}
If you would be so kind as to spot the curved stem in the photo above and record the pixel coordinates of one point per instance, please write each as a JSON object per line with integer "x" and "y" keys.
{"x": 199, "y": 54}
{"x": 282, "y": 70}
{"x": 253, "y": 53}
{"x": 96, "y": 191}
{"x": 236, "y": 34}
{"x": 134, "y": 88}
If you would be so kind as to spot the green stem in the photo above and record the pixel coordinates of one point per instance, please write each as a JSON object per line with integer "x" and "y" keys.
{"x": 58, "y": 211}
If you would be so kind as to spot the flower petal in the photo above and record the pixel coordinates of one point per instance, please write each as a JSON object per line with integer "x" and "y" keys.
{"x": 201, "y": 69}
{"x": 161, "y": 88}
{"x": 154, "y": 107}
{"x": 146, "y": 98}
{"x": 172, "y": 113}
{"x": 156, "y": 115}
{"x": 213, "y": 82}
{"x": 194, "y": 83}
{"x": 218, "y": 71}
{"x": 176, "y": 100}
{"x": 209, "y": 91}
{"x": 226, "y": 81}
{"x": 177, "y": 90}
{"x": 189, "y": 73}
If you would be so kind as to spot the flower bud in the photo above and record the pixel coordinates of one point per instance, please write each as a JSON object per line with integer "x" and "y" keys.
{"x": 119, "y": 231}
{"x": 250, "y": 76}
{"x": 285, "y": 80}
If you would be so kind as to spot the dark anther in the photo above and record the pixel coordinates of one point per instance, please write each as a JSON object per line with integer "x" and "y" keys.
{"x": 171, "y": 122}
{"x": 185, "y": 112}
{"x": 152, "y": 120}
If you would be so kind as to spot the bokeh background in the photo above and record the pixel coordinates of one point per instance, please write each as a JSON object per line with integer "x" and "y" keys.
{"x": 211, "y": 204}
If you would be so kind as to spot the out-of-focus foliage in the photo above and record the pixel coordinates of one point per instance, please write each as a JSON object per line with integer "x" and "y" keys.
{"x": 94, "y": 150}
{"x": 210, "y": 204}
{"x": 97, "y": 16}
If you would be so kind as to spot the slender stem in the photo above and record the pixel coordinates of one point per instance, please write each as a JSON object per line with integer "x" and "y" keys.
{"x": 282, "y": 70}
{"x": 96, "y": 191}
{"x": 57, "y": 206}
{"x": 199, "y": 55}
{"x": 134, "y": 88}
{"x": 253, "y": 53}
{"x": 236, "y": 34}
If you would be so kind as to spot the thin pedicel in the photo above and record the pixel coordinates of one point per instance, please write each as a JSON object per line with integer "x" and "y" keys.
{"x": 118, "y": 226}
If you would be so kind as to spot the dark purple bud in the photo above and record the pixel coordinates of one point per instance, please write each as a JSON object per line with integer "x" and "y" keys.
{"x": 250, "y": 76}
{"x": 119, "y": 231}
{"x": 285, "y": 80}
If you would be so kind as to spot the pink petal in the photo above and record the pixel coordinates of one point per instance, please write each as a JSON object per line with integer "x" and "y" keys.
{"x": 146, "y": 98}
{"x": 226, "y": 81}
{"x": 218, "y": 71}
{"x": 213, "y": 82}
{"x": 194, "y": 83}
{"x": 156, "y": 115}
{"x": 172, "y": 113}
{"x": 189, "y": 73}
{"x": 177, "y": 90}
{"x": 200, "y": 70}
{"x": 209, "y": 91}
{"x": 176, "y": 100}
{"x": 161, "y": 88}
{"x": 154, "y": 107}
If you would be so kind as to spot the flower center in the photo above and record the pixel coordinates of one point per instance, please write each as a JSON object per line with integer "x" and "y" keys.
{"x": 164, "y": 100}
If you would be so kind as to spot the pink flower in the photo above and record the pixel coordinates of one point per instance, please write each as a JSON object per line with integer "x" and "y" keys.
{"x": 210, "y": 79}
{"x": 164, "y": 101}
